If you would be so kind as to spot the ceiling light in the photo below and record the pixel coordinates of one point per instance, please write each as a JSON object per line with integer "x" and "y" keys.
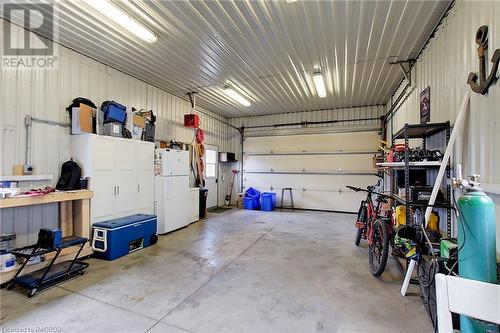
{"x": 121, "y": 18}
{"x": 290, "y": 1}
{"x": 320, "y": 84}
{"x": 235, "y": 96}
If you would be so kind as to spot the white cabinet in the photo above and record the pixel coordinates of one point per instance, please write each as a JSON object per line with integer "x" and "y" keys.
{"x": 120, "y": 171}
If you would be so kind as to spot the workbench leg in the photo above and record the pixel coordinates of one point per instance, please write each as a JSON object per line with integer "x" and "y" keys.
{"x": 81, "y": 218}
{"x": 66, "y": 218}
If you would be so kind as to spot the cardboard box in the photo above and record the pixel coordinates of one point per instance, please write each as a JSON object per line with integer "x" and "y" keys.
{"x": 239, "y": 200}
{"x": 138, "y": 121}
{"x": 81, "y": 119}
{"x": 18, "y": 170}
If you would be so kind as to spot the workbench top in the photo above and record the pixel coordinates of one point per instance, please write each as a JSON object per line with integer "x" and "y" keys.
{"x": 59, "y": 196}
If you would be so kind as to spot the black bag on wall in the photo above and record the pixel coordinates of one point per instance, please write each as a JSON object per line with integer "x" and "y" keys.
{"x": 70, "y": 176}
{"x": 80, "y": 100}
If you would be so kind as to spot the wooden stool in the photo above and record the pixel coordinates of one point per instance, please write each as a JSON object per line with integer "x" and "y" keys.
{"x": 291, "y": 198}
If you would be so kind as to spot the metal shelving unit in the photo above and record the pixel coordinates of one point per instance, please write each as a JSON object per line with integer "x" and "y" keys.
{"x": 423, "y": 132}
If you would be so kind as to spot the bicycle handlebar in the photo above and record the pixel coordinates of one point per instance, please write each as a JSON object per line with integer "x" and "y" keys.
{"x": 369, "y": 190}
{"x": 357, "y": 189}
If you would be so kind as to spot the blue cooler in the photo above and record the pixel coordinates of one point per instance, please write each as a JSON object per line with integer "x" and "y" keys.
{"x": 118, "y": 237}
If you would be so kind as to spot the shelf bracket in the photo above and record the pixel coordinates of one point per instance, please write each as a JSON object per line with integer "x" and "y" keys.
{"x": 405, "y": 66}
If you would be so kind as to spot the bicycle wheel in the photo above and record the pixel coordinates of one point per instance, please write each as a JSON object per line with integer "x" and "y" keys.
{"x": 357, "y": 239}
{"x": 362, "y": 214}
{"x": 378, "y": 250}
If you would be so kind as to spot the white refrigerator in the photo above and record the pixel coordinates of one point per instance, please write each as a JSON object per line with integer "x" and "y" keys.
{"x": 171, "y": 189}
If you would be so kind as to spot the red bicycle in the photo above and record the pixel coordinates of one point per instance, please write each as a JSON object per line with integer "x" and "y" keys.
{"x": 374, "y": 227}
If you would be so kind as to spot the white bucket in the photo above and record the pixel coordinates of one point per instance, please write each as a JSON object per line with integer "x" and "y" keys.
{"x": 7, "y": 262}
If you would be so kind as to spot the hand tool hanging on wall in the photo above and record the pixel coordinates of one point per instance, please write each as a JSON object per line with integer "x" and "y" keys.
{"x": 230, "y": 194}
{"x": 198, "y": 146}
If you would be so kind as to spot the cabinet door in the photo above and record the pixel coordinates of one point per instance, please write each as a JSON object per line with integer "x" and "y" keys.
{"x": 103, "y": 202}
{"x": 145, "y": 190}
{"x": 102, "y": 180}
{"x": 126, "y": 192}
{"x": 126, "y": 178}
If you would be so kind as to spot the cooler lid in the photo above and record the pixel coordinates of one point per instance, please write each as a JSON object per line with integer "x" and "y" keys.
{"x": 123, "y": 221}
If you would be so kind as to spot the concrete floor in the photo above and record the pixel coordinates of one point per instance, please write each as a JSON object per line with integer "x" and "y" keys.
{"x": 239, "y": 271}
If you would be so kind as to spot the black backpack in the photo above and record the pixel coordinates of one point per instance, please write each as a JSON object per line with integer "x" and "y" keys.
{"x": 70, "y": 176}
{"x": 80, "y": 100}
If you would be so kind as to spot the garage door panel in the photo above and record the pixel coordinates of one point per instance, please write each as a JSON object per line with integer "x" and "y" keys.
{"x": 308, "y": 182}
{"x": 325, "y": 192}
{"x": 354, "y": 141}
{"x": 310, "y": 165}
{"x": 358, "y": 163}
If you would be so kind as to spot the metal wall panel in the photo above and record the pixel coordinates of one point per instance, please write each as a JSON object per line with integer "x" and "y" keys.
{"x": 46, "y": 94}
{"x": 444, "y": 66}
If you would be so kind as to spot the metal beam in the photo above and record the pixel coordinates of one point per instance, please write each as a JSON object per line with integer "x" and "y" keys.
{"x": 312, "y": 153}
{"x": 326, "y": 173}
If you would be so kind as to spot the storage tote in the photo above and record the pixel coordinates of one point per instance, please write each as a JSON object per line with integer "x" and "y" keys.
{"x": 267, "y": 201}
{"x": 251, "y": 200}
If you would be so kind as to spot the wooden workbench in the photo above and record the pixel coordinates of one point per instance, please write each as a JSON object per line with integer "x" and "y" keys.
{"x": 74, "y": 220}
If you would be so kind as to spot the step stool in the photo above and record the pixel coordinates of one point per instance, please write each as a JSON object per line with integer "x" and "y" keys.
{"x": 291, "y": 198}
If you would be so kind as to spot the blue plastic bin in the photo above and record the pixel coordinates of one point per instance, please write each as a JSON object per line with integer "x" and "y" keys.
{"x": 251, "y": 200}
{"x": 267, "y": 201}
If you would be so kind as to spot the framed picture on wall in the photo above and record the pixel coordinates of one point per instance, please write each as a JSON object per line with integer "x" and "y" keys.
{"x": 425, "y": 105}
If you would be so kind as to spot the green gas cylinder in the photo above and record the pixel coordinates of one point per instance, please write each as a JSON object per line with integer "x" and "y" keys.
{"x": 476, "y": 241}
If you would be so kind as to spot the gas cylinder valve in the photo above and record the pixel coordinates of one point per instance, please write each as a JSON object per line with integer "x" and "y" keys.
{"x": 459, "y": 182}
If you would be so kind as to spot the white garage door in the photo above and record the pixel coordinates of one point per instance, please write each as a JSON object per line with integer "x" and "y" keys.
{"x": 316, "y": 166}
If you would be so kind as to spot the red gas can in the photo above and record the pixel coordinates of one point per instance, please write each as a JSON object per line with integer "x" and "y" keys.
{"x": 191, "y": 120}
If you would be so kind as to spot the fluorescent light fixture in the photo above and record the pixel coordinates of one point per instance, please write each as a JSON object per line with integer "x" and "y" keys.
{"x": 235, "y": 96}
{"x": 320, "y": 84}
{"x": 290, "y": 1}
{"x": 121, "y": 18}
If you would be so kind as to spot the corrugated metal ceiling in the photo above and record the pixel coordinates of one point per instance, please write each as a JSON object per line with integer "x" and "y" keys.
{"x": 267, "y": 48}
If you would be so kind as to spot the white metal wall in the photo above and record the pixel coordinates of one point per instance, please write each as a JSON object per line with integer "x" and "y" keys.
{"x": 45, "y": 95}
{"x": 444, "y": 66}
